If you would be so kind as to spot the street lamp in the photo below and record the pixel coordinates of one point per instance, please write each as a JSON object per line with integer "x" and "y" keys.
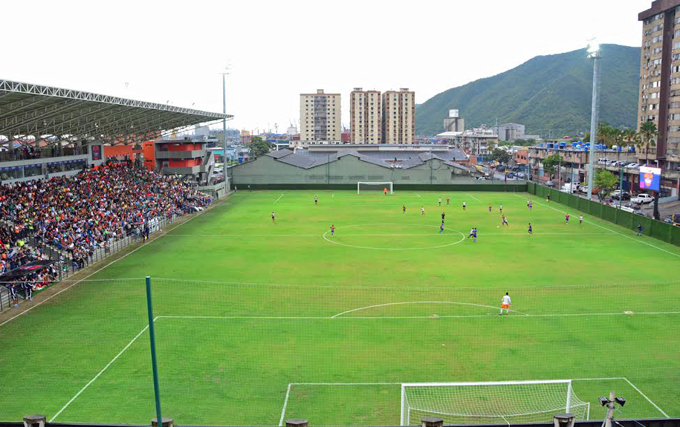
{"x": 224, "y": 129}
{"x": 594, "y": 54}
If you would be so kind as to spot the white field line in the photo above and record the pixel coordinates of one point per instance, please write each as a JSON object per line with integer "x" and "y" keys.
{"x": 418, "y": 302}
{"x": 418, "y": 195}
{"x": 648, "y": 399}
{"x": 285, "y": 404}
{"x": 613, "y": 231}
{"x": 460, "y": 316}
{"x": 100, "y": 372}
{"x": 332, "y": 195}
{"x": 474, "y": 197}
{"x": 95, "y": 272}
{"x": 380, "y": 234}
{"x": 278, "y": 198}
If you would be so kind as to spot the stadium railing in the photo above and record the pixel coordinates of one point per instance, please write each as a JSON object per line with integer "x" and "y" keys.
{"x": 650, "y": 227}
{"x": 647, "y": 422}
{"x": 67, "y": 266}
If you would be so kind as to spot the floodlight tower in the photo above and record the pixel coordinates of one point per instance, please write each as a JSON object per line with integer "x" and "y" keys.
{"x": 594, "y": 54}
{"x": 224, "y": 129}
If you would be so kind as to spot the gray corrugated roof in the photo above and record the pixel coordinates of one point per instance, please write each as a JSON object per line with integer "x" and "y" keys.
{"x": 404, "y": 160}
{"x": 279, "y": 154}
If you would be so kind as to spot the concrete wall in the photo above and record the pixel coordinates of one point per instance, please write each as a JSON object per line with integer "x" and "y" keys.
{"x": 347, "y": 170}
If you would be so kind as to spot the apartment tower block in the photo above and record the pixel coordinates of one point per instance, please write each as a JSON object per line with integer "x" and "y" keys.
{"x": 659, "y": 98}
{"x": 399, "y": 116}
{"x": 320, "y": 117}
{"x": 366, "y": 116}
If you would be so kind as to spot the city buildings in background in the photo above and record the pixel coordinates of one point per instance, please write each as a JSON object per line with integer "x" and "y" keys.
{"x": 320, "y": 117}
{"x": 659, "y": 97}
{"x": 399, "y": 116}
{"x": 512, "y": 132}
{"x": 365, "y": 116}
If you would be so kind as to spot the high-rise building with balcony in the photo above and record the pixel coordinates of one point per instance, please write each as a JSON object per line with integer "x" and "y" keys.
{"x": 366, "y": 116}
{"x": 659, "y": 98}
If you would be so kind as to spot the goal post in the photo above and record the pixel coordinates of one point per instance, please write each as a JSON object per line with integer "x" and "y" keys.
{"x": 498, "y": 402}
{"x": 366, "y": 186}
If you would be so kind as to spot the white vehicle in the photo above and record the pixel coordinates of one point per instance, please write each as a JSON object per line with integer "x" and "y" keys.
{"x": 642, "y": 199}
{"x": 570, "y": 188}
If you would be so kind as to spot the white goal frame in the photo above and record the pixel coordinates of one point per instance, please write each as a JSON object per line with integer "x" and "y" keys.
{"x": 405, "y": 410}
{"x": 389, "y": 184}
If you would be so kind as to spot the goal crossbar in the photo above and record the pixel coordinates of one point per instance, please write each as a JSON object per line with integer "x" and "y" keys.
{"x": 381, "y": 184}
{"x": 490, "y": 383}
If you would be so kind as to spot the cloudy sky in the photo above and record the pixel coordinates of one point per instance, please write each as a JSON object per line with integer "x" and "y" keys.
{"x": 173, "y": 51}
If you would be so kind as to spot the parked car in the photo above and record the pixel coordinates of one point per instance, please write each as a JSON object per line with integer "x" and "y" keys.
{"x": 570, "y": 188}
{"x": 633, "y": 166}
{"x": 584, "y": 190}
{"x": 521, "y": 175}
{"x": 642, "y": 198}
{"x": 549, "y": 184}
{"x": 616, "y": 193}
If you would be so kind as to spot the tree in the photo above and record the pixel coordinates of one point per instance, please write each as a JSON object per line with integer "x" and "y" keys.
{"x": 648, "y": 135}
{"x": 501, "y": 156}
{"x": 605, "y": 182}
{"x": 258, "y": 147}
{"x": 550, "y": 163}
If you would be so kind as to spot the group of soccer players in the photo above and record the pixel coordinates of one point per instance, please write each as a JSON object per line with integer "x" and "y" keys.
{"x": 473, "y": 230}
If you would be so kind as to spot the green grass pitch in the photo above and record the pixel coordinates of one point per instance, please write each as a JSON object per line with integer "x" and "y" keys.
{"x": 254, "y": 315}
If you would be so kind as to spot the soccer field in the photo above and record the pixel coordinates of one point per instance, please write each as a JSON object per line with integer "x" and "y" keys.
{"x": 259, "y": 321}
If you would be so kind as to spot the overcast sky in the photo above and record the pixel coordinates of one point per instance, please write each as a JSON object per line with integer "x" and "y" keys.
{"x": 173, "y": 50}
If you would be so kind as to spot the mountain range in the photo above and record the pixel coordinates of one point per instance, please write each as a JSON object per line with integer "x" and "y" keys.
{"x": 550, "y": 94}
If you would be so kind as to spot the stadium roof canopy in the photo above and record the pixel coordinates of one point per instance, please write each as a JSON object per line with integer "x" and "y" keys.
{"x": 45, "y": 112}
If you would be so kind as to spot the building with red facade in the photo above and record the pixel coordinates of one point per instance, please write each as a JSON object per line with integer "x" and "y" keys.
{"x": 187, "y": 157}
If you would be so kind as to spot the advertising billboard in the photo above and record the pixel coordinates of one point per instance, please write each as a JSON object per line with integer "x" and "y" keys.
{"x": 650, "y": 178}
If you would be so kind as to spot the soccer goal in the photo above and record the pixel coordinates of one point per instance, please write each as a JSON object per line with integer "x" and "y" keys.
{"x": 503, "y": 402}
{"x": 374, "y": 186}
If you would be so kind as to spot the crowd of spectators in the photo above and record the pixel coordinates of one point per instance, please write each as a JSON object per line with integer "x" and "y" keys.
{"x": 15, "y": 253}
{"x": 78, "y": 215}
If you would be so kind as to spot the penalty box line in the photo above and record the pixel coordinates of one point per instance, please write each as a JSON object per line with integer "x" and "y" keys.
{"x": 290, "y": 385}
{"x": 339, "y": 316}
{"x": 134, "y": 339}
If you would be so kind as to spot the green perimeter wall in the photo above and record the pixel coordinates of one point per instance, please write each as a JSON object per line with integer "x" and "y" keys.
{"x": 346, "y": 170}
{"x": 650, "y": 227}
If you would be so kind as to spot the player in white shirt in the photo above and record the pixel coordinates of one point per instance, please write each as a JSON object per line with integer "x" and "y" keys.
{"x": 422, "y": 210}
{"x": 506, "y": 302}
{"x": 464, "y": 205}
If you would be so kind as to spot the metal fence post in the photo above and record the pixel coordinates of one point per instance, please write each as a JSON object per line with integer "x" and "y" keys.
{"x": 152, "y": 339}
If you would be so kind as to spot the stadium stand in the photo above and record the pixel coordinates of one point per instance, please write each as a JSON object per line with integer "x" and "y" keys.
{"x": 71, "y": 218}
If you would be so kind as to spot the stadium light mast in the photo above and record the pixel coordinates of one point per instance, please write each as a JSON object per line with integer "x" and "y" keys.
{"x": 594, "y": 54}
{"x": 224, "y": 130}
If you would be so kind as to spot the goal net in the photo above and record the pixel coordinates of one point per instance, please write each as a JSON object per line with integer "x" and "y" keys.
{"x": 505, "y": 402}
{"x": 372, "y": 187}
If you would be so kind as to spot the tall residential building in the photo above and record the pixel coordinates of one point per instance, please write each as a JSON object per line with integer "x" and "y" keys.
{"x": 399, "y": 116}
{"x": 320, "y": 117}
{"x": 659, "y": 99}
{"x": 366, "y": 116}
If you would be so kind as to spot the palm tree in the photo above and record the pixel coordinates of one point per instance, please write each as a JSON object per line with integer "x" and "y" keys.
{"x": 648, "y": 134}
{"x": 647, "y": 137}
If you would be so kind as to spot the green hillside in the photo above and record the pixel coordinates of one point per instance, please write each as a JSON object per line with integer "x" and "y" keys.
{"x": 546, "y": 93}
